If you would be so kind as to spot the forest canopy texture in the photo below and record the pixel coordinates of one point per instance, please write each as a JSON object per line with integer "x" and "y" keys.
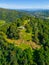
{"x": 24, "y": 38}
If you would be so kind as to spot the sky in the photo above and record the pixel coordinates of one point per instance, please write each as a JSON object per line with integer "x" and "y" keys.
{"x": 24, "y": 4}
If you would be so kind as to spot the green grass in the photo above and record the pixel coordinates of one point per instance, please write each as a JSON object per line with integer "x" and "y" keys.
{"x": 2, "y": 22}
{"x": 24, "y": 46}
{"x": 26, "y": 36}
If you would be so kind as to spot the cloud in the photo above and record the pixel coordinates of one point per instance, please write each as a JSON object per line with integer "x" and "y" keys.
{"x": 3, "y": 5}
{"x": 13, "y": 6}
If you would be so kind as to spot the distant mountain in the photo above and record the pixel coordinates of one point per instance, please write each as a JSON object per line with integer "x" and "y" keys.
{"x": 39, "y": 13}
{"x": 42, "y": 13}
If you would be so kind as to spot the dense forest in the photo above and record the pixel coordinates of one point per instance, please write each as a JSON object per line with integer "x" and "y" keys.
{"x": 24, "y": 38}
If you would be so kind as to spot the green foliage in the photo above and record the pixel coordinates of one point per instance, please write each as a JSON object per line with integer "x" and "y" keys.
{"x": 2, "y": 22}
{"x": 12, "y": 31}
{"x": 11, "y": 55}
{"x": 22, "y": 26}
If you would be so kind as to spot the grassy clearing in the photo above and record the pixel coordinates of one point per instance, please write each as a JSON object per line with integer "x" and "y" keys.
{"x": 25, "y": 36}
{"x": 24, "y": 46}
{"x": 2, "y": 22}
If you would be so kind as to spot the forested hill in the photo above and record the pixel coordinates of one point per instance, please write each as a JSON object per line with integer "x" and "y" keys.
{"x": 39, "y": 13}
{"x": 24, "y": 39}
{"x": 11, "y": 15}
